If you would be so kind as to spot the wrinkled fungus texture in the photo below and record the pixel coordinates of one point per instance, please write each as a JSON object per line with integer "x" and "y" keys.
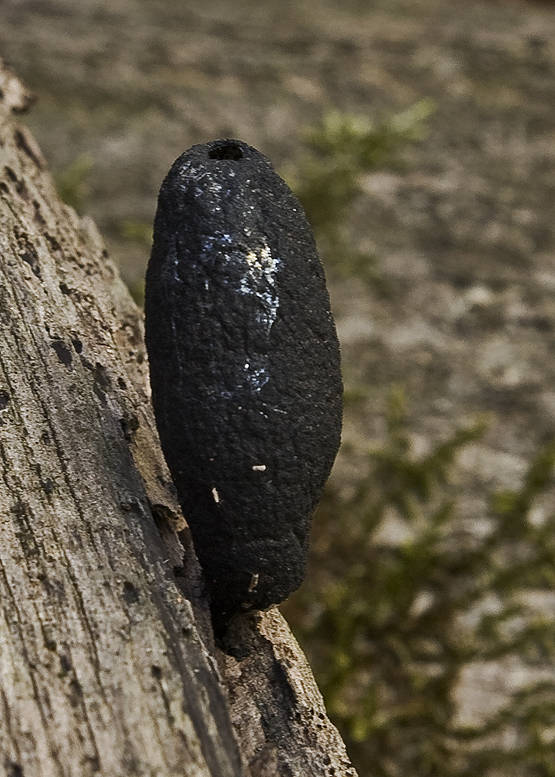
{"x": 244, "y": 368}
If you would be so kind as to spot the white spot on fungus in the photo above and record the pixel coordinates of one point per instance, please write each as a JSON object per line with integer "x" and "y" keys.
{"x": 260, "y": 281}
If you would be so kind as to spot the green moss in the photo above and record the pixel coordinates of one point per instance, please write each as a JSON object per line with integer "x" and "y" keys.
{"x": 137, "y": 291}
{"x": 136, "y": 231}
{"x": 73, "y": 181}
{"x": 327, "y": 175}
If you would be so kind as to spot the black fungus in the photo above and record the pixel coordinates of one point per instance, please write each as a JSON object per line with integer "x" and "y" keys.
{"x": 244, "y": 368}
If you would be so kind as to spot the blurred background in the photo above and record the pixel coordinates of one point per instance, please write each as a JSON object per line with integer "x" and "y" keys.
{"x": 420, "y": 137}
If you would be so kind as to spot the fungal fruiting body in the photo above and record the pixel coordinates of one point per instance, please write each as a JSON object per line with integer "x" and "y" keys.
{"x": 244, "y": 369}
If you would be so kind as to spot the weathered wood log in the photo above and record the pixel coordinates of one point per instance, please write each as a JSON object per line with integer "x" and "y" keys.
{"x": 107, "y": 659}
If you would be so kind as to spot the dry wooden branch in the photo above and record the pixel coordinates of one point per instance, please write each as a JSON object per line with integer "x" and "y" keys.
{"x": 107, "y": 660}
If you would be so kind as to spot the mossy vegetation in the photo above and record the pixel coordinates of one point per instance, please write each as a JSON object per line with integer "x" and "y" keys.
{"x": 406, "y": 591}
{"x": 73, "y": 181}
{"x": 137, "y": 232}
{"x": 390, "y": 625}
{"x": 327, "y": 177}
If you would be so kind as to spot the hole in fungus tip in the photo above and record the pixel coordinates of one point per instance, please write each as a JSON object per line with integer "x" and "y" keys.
{"x": 226, "y": 151}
